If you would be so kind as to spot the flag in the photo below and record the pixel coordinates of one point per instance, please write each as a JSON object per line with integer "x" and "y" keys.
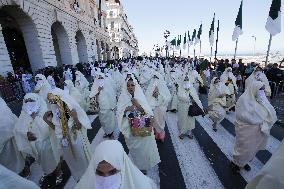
{"x": 193, "y": 36}
{"x": 238, "y": 24}
{"x": 174, "y": 42}
{"x": 188, "y": 38}
{"x": 197, "y": 39}
{"x": 184, "y": 41}
{"x": 273, "y": 24}
{"x": 211, "y": 32}
{"x": 178, "y": 42}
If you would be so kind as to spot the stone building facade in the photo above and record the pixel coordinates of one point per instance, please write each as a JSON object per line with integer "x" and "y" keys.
{"x": 121, "y": 33}
{"x": 52, "y": 33}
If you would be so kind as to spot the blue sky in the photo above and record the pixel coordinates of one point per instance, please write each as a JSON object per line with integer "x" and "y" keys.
{"x": 150, "y": 18}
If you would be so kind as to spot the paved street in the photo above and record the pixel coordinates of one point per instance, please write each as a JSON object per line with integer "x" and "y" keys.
{"x": 199, "y": 163}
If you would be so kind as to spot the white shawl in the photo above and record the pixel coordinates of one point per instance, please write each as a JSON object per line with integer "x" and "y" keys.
{"x": 7, "y": 123}
{"x": 112, "y": 152}
{"x": 125, "y": 100}
{"x": 215, "y": 92}
{"x": 44, "y": 89}
{"x": 250, "y": 111}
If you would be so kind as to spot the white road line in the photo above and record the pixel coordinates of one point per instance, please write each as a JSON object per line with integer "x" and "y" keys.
{"x": 225, "y": 141}
{"x": 196, "y": 169}
{"x": 272, "y": 143}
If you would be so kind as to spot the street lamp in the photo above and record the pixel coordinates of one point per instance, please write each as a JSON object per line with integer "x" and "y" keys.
{"x": 254, "y": 44}
{"x": 166, "y": 35}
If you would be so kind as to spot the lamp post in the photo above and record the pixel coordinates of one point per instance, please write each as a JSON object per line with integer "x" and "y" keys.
{"x": 254, "y": 44}
{"x": 166, "y": 35}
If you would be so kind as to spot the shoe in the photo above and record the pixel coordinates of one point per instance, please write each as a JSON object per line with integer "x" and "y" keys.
{"x": 215, "y": 129}
{"x": 41, "y": 180}
{"x": 59, "y": 179}
{"x": 247, "y": 167}
{"x": 235, "y": 168}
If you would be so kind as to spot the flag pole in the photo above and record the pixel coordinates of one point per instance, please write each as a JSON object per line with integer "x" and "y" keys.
{"x": 211, "y": 54}
{"x": 200, "y": 49}
{"x": 268, "y": 50}
{"x": 236, "y": 48}
{"x": 188, "y": 49}
{"x": 194, "y": 52}
{"x": 180, "y": 53}
{"x": 217, "y": 40}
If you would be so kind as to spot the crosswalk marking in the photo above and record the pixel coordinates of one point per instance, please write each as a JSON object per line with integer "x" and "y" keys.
{"x": 225, "y": 142}
{"x": 196, "y": 169}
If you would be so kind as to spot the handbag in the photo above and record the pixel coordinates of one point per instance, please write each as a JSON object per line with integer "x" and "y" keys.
{"x": 141, "y": 126}
{"x": 195, "y": 110}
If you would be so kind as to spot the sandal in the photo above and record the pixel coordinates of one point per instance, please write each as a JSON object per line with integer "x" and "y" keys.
{"x": 59, "y": 179}
{"x": 41, "y": 180}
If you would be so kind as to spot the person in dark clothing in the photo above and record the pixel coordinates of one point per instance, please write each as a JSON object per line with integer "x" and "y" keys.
{"x": 221, "y": 66}
{"x": 274, "y": 74}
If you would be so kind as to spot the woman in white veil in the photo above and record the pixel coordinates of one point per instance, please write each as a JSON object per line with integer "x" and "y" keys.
{"x": 186, "y": 95}
{"x": 258, "y": 75}
{"x": 158, "y": 96}
{"x": 10, "y": 157}
{"x": 111, "y": 168}
{"x": 217, "y": 101}
{"x": 254, "y": 118}
{"x": 75, "y": 94}
{"x": 34, "y": 137}
{"x": 143, "y": 150}
{"x": 82, "y": 84}
{"x": 70, "y": 123}
{"x": 42, "y": 86}
{"x": 103, "y": 92}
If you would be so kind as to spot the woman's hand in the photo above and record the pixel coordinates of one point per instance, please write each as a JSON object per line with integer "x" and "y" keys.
{"x": 77, "y": 123}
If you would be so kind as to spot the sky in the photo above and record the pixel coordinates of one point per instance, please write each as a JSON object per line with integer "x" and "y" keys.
{"x": 150, "y": 18}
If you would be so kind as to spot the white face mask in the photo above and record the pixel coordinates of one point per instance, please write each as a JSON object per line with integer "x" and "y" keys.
{"x": 186, "y": 85}
{"x": 261, "y": 97}
{"x": 30, "y": 107}
{"x": 101, "y": 82}
{"x": 110, "y": 182}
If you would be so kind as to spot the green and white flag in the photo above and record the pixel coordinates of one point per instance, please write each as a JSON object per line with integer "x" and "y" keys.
{"x": 193, "y": 36}
{"x": 197, "y": 39}
{"x": 173, "y": 43}
{"x": 184, "y": 41}
{"x": 238, "y": 24}
{"x": 188, "y": 38}
{"x": 211, "y": 32}
{"x": 273, "y": 24}
{"x": 178, "y": 42}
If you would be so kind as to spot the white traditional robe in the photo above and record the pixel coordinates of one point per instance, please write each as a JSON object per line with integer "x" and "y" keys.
{"x": 254, "y": 120}
{"x": 158, "y": 105}
{"x": 10, "y": 157}
{"x": 112, "y": 152}
{"x": 42, "y": 88}
{"x": 186, "y": 123}
{"x": 75, "y": 94}
{"x": 262, "y": 77}
{"x": 216, "y": 105}
{"x": 143, "y": 150}
{"x": 77, "y": 154}
{"x": 107, "y": 104}
{"x": 82, "y": 84}
{"x": 45, "y": 149}
{"x": 9, "y": 179}
{"x": 171, "y": 80}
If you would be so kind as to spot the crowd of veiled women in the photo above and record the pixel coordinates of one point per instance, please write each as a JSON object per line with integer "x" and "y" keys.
{"x": 132, "y": 97}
